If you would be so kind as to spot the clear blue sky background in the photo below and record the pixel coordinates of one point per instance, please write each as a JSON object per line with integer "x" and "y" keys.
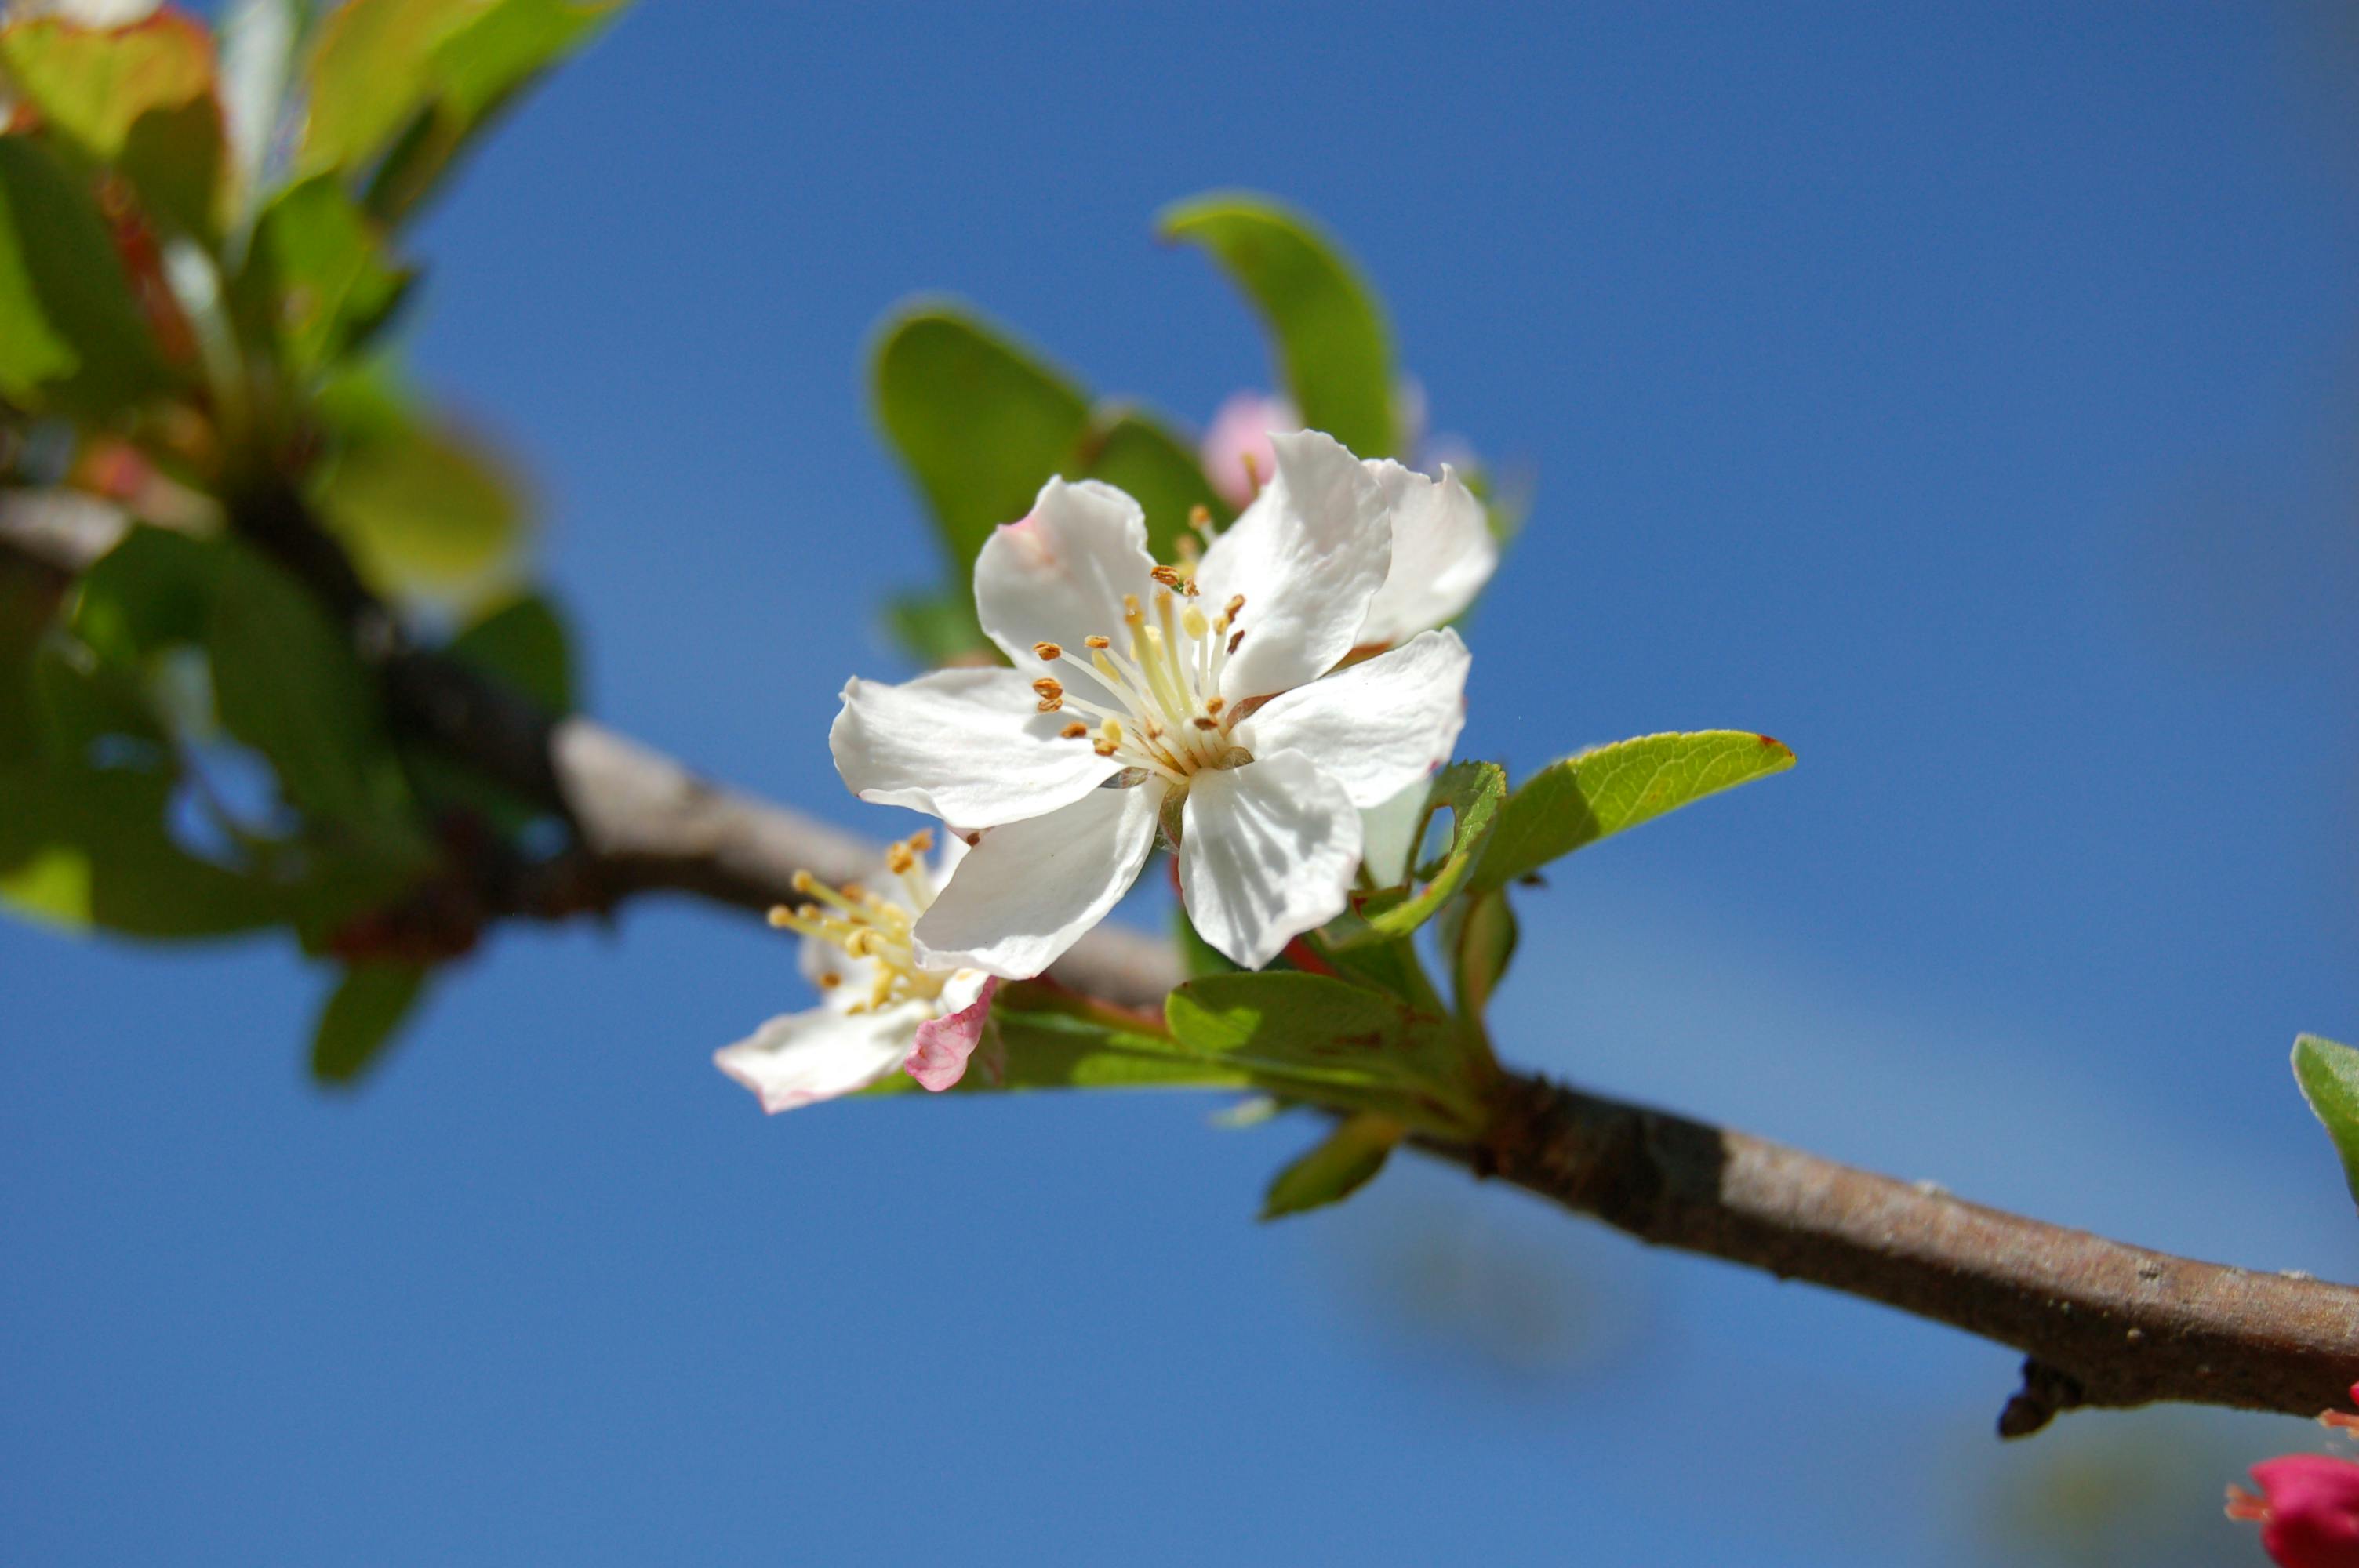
{"x": 1966, "y": 397}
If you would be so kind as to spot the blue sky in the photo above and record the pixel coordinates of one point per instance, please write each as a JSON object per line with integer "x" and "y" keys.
{"x": 1964, "y": 395}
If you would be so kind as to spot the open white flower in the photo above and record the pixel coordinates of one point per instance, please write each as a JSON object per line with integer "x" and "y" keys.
{"x": 881, "y": 1008}
{"x": 1144, "y": 695}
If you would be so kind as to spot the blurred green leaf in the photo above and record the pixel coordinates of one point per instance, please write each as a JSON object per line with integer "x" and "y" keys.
{"x": 414, "y": 81}
{"x": 83, "y": 847}
{"x": 1341, "y": 1164}
{"x": 523, "y": 642}
{"x": 154, "y": 588}
{"x": 938, "y": 628}
{"x": 423, "y": 509}
{"x": 1472, "y": 793}
{"x": 2329, "y": 1076}
{"x": 980, "y": 423}
{"x": 318, "y": 277}
{"x": 138, "y": 98}
{"x": 1580, "y": 800}
{"x": 26, "y": 605}
{"x": 72, "y": 338}
{"x": 289, "y": 683}
{"x": 1197, "y": 956}
{"x": 1332, "y": 346}
{"x": 1133, "y": 451}
{"x": 362, "y": 1015}
{"x": 1483, "y": 942}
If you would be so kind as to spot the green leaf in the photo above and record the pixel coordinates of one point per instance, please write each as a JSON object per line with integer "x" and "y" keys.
{"x": 72, "y": 338}
{"x": 1333, "y": 350}
{"x": 1580, "y": 800}
{"x": 154, "y": 588}
{"x": 289, "y": 683}
{"x": 1043, "y": 1043}
{"x": 1472, "y": 791}
{"x": 1133, "y": 451}
{"x": 83, "y": 847}
{"x": 1329, "y": 1042}
{"x": 1484, "y": 943}
{"x": 1341, "y": 1164}
{"x": 28, "y": 603}
{"x": 138, "y": 98}
{"x": 426, "y": 511}
{"x": 938, "y": 628}
{"x": 523, "y": 642}
{"x": 368, "y": 1005}
{"x": 1197, "y": 956}
{"x": 980, "y": 423}
{"x": 2329, "y": 1076}
{"x": 318, "y": 277}
{"x": 415, "y": 80}
{"x": 478, "y": 73}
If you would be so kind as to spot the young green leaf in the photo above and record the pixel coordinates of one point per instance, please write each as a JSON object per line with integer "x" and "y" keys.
{"x": 1341, "y": 1164}
{"x": 361, "y": 1018}
{"x": 1472, "y": 793}
{"x": 1582, "y": 799}
{"x": 980, "y": 423}
{"x": 289, "y": 683}
{"x": 1133, "y": 451}
{"x": 318, "y": 277}
{"x": 1483, "y": 942}
{"x": 427, "y": 511}
{"x": 85, "y": 848}
{"x": 138, "y": 98}
{"x": 523, "y": 644}
{"x": 2329, "y": 1076}
{"x": 1043, "y": 1048}
{"x": 1332, "y": 346}
{"x": 72, "y": 338}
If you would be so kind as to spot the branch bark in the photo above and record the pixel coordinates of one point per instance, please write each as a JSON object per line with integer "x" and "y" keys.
{"x": 2100, "y": 1324}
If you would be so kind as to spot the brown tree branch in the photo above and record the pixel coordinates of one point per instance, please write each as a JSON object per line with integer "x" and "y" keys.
{"x": 2100, "y": 1322}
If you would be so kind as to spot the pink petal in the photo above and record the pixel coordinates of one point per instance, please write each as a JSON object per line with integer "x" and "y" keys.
{"x": 945, "y": 1044}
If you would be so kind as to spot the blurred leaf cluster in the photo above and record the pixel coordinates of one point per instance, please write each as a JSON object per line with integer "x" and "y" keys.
{"x": 201, "y": 262}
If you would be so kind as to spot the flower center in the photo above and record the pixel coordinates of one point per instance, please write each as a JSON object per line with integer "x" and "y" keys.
{"x": 868, "y": 927}
{"x": 1155, "y": 693}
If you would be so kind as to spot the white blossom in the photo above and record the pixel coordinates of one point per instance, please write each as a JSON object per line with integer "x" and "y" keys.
{"x": 1204, "y": 699}
{"x": 881, "y": 1009}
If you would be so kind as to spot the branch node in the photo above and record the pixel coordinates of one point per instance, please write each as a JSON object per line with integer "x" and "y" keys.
{"x": 2047, "y": 1392}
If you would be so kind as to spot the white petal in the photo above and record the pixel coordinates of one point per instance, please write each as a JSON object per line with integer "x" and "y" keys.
{"x": 1059, "y": 575}
{"x": 1442, "y": 553}
{"x": 1378, "y": 727}
{"x": 819, "y": 1054}
{"x": 1028, "y": 890}
{"x": 1389, "y": 834}
{"x": 1308, "y": 554}
{"x": 969, "y": 746}
{"x": 1268, "y": 851}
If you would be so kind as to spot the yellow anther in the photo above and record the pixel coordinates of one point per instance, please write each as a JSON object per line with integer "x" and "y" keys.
{"x": 920, "y": 841}
{"x": 1048, "y": 650}
{"x": 1167, "y": 576}
{"x": 1236, "y": 602}
{"x": 1105, "y": 748}
{"x": 1112, "y": 730}
{"x": 803, "y": 881}
{"x": 828, "y": 980}
{"x": 1097, "y": 642}
{"x": 1215, "y": 704}
{"x": 1194, "y": 624}
{"x": 1073, "y": 731}
{"x": 1131, "y": 614}
{"x": 781, "y": 916}
{"x": 1199, "y": 518}
{"x": 1049, "y": 686}
{"x": 898, "y": 859}
{"x": 851, "y": 891}
{"x": 1049, "y": 705}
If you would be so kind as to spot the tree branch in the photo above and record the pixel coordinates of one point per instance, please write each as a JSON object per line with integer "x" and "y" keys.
{"x": 2100, "y": 1322}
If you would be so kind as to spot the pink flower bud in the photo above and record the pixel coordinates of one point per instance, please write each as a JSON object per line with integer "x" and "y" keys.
{"x": 1238, "y": 457}
{"x": 2308, "y": 1511}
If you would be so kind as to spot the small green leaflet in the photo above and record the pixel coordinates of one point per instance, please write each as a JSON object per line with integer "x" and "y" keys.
{"x": 1332, "y": 346}
{"x": 362, "y": 1014}
{"x": 73, "y": 338}
{"x": 1472, "y": 793}
{"x": 1582, "y": 799}
{"x": 1339, "y": 1166}
{"x": 2329, "y": 1076}
{"x": 1138, "y": 454}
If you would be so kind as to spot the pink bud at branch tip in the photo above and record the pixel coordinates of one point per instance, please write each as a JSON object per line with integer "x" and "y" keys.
{"x": 2308, "y": 1507}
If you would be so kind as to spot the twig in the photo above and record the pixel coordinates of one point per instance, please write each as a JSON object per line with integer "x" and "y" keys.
{"x": 2100, "y": 1322}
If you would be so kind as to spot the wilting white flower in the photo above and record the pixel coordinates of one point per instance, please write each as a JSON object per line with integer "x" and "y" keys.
{"x": 1209, "y": 703}
{"x": 881, "y": 1008}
